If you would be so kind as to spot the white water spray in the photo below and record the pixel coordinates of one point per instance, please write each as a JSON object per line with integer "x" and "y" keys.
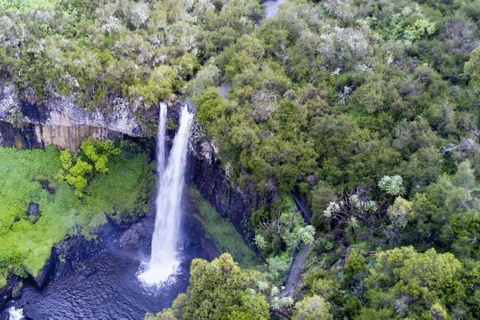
{"x": 164, "y": 260}
{"x": 162, "y": 130}
{"x": 15, "y": 314}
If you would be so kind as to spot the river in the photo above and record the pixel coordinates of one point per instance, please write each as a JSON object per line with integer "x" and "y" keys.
{"x": 107, "y": 288}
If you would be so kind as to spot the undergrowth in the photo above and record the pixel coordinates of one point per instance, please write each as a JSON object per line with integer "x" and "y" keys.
{"x": 222, "y": 232}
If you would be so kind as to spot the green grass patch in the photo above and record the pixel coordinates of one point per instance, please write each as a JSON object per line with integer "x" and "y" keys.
{"x": 223, "y": 233}
{"x": 24, "y": 243}
{"x": 22, "y": 6}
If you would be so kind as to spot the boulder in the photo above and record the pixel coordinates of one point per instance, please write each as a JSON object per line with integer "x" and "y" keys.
{"x": 139, "y": 235}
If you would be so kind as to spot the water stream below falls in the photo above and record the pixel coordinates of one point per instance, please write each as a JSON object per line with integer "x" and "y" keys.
{"x": 107, "y": 288}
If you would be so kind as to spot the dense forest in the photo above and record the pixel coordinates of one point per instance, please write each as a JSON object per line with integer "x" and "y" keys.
{"x": 367, "y": 110}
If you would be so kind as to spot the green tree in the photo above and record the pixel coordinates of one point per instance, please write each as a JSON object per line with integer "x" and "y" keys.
{"x": 93, "y": 158}
{"x": 219, "y": 290}
{"x": 77, "y": 176}
{"x": 312, "y": 308}
{"x": 411, "y": 282}
{"x": 400, "y": 212}
{"x": 472, "y": 68}
{"x": 465, "y": 176}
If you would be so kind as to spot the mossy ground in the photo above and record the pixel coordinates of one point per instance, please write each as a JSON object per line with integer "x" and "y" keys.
{"x": 222, "y": 232}
{"x": 25, "y": 245}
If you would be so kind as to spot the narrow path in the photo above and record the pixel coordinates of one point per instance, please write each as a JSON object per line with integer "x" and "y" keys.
{"x": 296, "y": 272}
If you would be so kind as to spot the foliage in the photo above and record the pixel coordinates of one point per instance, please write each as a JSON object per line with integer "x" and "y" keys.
{"x": 312, "y": 308}
{"x": 219, "y": 290}
{"x": 222, "y": 232}
{"x": 411, "y": 282}
{"x": 472, "y": 67}
{"x": 392, "y": 185}
{"x": 400, "y": 212}
{"x": 92, "y": 159}
{"x": 23, "y": 6}
{"x": 367, "y": 109}
{"x": 410, "y": 25}
{"x": 283, "y": 230}
{"x": 97, "y": 52}
{"x": 26, "y": 244}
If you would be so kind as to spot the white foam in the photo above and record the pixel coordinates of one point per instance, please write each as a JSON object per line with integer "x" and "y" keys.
{"x": 164, "y": 260}
{"x": 15, "y": 314}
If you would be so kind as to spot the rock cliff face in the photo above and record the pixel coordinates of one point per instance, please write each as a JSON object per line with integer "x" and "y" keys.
{"x": 208, "y": 176}
{"x": 59, "y": 121}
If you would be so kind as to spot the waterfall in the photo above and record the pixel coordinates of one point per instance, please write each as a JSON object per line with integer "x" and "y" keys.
{"x": 164, "y": 260}
{"x": 15, "y": 314}
{"x": 162, "y": 130}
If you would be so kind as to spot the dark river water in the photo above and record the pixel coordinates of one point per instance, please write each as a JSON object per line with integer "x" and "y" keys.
{"x": 107, "y": 287}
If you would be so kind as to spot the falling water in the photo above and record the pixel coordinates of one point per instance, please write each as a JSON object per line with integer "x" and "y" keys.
{"x": 15, "y": 314}
{"x": 164, "y": 260}
{"x": 161, "y": 157}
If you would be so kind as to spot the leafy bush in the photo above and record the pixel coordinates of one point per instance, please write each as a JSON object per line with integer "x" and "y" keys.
{"x": 219, "y": 290}
{"x": 92, "y": 159}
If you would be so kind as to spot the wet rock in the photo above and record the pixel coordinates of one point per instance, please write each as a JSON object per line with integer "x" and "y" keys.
{"x": 75, "y": 252}
{"x": 6, "y": 293}
{"x": 9, "y": 101}
{"x": 58, "y": 120}
{"x": 200, "y": 242}
{"x": 139, "y": 235}
{"x": 47, "y": 271}
{"x": 21, "y": 137}
{"x": 208, "y": 176}
{"x": 33, "y": 210}
{"x": 17, "y": 291}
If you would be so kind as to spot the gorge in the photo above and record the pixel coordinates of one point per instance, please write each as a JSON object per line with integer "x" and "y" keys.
{"x": 103, "y": 274}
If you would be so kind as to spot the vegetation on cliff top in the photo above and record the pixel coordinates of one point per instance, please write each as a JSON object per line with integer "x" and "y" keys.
{"x": 97, "y": 51}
